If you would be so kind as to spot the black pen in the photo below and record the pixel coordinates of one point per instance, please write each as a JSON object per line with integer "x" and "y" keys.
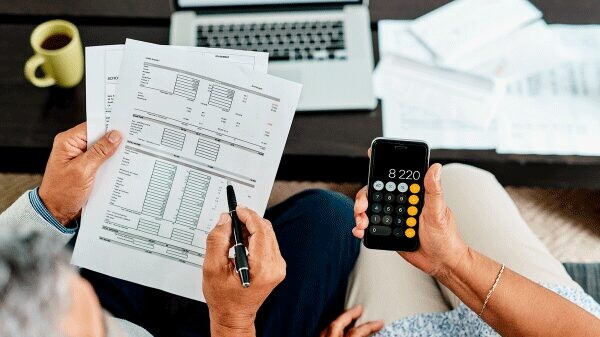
{"x": 241, "y": 260}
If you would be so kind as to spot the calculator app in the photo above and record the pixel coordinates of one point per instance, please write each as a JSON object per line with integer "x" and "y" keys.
{"x": 395, "y": 192}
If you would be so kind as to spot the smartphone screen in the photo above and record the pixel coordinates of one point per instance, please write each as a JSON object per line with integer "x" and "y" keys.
{"x": 395, "y": 191}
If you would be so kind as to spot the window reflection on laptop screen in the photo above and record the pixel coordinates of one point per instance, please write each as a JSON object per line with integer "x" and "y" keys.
{"x": 205, "y": 3}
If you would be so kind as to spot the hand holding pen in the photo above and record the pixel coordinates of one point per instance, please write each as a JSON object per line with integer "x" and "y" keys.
{"x": 229, "y": 303}
{"x": 241, "y": 260}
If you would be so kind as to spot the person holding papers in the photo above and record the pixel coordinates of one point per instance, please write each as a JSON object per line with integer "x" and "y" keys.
{"x": 299, "y": 266}
{"x": 300, "y": 263}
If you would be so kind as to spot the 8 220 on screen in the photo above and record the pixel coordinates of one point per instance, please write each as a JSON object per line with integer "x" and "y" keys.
{"x": 404, "y": 174}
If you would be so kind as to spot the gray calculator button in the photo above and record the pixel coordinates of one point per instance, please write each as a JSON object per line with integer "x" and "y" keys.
{"x": 399, "y": 221}
{"x": 390, "y": 186}
{"x": 388, "y": 209}
{"x": 376, "y": 208}
{"x": 401, "y": 198}
{"x": 400, "y": 209}
{"x": 380, "y": 230}
{"x": 378, "y": 185}
{"x": 402, "y": 187}
{"x": 389, "y": 197}
{"x": 398, "y": 232}
{"x": 375, "y": 219}
{"x": 386, "y": 220}
{"x": 377, "y": 196}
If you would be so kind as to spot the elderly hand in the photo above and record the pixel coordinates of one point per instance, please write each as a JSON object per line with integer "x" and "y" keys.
{"x": 441, "y": 247}
{"x": 233, "y": 308}
{"x": 338, "y": 327}
{"x": 71, "y": 170}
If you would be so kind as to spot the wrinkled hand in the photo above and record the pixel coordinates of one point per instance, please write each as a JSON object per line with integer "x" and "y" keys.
{"x": 441, "y": 247}
{"x": 233, "y": 308}
{"x": 338, "y": 327}
{"x": 71, "y": 170}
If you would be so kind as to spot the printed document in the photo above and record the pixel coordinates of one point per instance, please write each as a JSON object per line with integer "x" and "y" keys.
{"x": 402, "y": 120}
{"x": 581, "y": 41}
{"x": 445, "y": 94}
{"x": 556, "y": 111}
{"x": 102, "y": 76}
{"x": 547, "y": 76}
{"x": 533, "y": 48}
{"x": 572, "y": 79}
{"x": 190, "y": 126}
{"x": 465, "y": 25}
{"x": 396, "y": 39}
{"x": 550, "y": 126}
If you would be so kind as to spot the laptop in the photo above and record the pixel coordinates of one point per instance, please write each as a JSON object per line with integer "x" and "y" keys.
{"x": 323, "y": 44}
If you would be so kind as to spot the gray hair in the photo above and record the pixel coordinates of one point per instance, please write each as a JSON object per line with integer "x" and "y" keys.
{"x": 34, "y": 284}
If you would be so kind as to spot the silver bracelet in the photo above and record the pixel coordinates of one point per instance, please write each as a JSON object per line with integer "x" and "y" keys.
{"x": 489, "y": 294}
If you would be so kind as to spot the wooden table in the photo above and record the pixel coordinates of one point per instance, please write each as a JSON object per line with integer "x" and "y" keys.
{"x": 321, "y": 146}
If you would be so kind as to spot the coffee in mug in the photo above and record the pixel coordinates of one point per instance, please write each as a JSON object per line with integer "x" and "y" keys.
{"x": 58, "y": 51}
{"x": 55, "y": 42}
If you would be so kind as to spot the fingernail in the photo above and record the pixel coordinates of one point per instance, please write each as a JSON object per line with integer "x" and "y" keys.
{"x": 242, "y": 206}
{"x": 114, "y": 137}
{"x": 223, "y": 218}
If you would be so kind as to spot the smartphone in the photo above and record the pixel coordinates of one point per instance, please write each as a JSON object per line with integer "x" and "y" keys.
{"x": 395, "y": 192}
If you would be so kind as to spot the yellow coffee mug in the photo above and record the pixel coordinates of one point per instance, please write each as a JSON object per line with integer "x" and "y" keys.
{"x": 58, "y": 51}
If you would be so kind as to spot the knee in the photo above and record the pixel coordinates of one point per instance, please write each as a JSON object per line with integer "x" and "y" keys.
{"x": 327, "y": 211}
{"x": 326, "y": 202}
{"x": 321, "y": 224}
{"x": 455, "y": 175}
{"x": 458, "y": 170}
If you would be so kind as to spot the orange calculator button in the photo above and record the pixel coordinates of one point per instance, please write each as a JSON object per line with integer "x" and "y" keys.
{"x": 411, "y": 222}
{"x": 415, "y": 188}
{"x": 412, "y": 210}
{"x": 409, "y": 232}
{"x": 413, "y": 199}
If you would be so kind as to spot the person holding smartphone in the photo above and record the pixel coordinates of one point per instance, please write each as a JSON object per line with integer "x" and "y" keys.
{"x": 479, "y": 270}
{"x": 299, "y": 262}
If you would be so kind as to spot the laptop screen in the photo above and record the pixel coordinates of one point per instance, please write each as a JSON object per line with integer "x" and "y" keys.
{"x": 218, "y": 3}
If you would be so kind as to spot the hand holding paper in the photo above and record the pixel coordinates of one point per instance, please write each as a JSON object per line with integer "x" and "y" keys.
{"x": 190, "y": 124}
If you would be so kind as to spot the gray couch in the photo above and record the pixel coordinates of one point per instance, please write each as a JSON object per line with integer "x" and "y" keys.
{"x": 587, "y": 275}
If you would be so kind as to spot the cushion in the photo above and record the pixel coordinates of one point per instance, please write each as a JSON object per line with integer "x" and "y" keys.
{"x": 588, "y": 277}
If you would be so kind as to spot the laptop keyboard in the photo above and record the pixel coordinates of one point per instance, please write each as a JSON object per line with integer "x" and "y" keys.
{"x": 309, "y": 40}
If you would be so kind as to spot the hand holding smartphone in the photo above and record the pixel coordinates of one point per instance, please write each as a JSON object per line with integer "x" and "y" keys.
{"x": 395, "y": 193}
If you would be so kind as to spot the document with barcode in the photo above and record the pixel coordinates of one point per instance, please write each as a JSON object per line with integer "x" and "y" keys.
{"x": 190, "y": 126}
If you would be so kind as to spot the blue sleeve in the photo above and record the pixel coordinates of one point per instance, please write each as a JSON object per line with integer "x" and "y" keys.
{"x": 41, "y": 209}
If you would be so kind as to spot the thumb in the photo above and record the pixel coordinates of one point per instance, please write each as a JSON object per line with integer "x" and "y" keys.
{"x": 434, "y": 195}
{"x": 103, "y": 149}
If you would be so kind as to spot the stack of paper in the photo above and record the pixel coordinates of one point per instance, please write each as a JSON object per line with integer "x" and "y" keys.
{"x": 540, "y": 78}
{"x": 464, "y": 26}
{"x": 193, "y": 119}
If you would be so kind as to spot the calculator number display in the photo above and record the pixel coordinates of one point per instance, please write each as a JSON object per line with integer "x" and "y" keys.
{"x": 404, "y": 174}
